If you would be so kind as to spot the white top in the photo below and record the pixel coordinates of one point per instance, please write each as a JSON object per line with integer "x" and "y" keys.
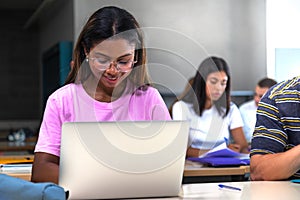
{"x": 248, "y": 112}
{"x": 210, "y": 129}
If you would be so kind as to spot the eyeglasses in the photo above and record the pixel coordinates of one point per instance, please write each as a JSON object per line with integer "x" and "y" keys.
{"x": 121, "y": 65}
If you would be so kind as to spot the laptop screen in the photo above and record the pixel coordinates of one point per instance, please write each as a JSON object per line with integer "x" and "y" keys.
{"x": 124, "y": 159}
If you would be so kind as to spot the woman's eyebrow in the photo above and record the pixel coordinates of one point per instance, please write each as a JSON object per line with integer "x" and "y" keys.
{"x": 101, "y": 54}
{"x": 125, "y": 55}
{"x": 216, "y": 79}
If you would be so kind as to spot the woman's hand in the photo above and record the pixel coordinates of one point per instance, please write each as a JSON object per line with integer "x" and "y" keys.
{"x": 193, "y": 152}
{"x": 239, "y": 139}
{"x": 235, "y": 147}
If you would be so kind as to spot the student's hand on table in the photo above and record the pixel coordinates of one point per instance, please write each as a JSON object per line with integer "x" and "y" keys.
{"x": 235, "y": 147}
{"x": 194, "y": 152}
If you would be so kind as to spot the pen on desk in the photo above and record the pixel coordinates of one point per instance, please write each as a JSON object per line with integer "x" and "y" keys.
{"x": 226, "y": 141}
{"x": 229, "y": 187}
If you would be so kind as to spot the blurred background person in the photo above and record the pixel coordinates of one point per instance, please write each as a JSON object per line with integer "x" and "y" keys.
{"x": 214, "y": 119}
{"x": 248, "y": 109}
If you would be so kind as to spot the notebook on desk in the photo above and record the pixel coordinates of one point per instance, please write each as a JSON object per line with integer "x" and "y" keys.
{"x": 222, "y": 156}
{"x": 106, "y": 160}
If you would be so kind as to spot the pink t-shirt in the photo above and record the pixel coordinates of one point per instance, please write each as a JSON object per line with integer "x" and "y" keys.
{"x": 71, "y": 103}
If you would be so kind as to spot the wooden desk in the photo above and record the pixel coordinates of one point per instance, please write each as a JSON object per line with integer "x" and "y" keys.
{"x": 17, "y": 159}
{"x": 24, "y": 176}
{"x": 27, "y": 145}
{"x": 196, "y": 173}
{"x": 193, "y": 173}
{"x": 17, "y": 146}
{"x": 9, "y": 159}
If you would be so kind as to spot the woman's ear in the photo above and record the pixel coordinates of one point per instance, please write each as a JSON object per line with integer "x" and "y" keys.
{"x": 85, "y": 51}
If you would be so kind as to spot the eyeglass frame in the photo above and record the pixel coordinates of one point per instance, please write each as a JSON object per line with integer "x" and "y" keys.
{"x": 115, "y": 64}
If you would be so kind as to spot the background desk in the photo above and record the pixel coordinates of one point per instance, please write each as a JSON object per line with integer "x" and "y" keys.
{"x": 6, "y": 146}
{"x": 196, "y": 173}
{"x": 24, "y": 176}
{"x": 193, "y": 173}
{"x": 17, "y": 159}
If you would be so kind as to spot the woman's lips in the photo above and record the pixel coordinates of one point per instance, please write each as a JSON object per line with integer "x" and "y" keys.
{"x": 111, "y": 79}
{"x": 216, "y": 95}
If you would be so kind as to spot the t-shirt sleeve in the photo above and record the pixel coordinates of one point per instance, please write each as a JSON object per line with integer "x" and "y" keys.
{"x": 236, "y": 120}
{"x": 178, "y": 111}
{"x": 242, "y": 110}
{"x": 159, "y": 110}
{"x": 50, "y": 130}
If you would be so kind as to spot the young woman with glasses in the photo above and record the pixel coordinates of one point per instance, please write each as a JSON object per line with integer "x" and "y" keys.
{"x": 108, "y": 81}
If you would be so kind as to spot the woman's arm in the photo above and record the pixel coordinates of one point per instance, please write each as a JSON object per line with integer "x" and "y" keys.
{"x": 45, "y": 168}
{"x": 240, "y": 139}
{"x": 278, "y": 166}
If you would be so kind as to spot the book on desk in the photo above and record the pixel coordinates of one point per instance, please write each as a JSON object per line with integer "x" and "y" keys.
{"x": 15, "y": 168}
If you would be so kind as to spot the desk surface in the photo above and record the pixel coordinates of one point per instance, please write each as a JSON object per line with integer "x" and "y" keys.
{"x": 196, "y": 169}
{"x": 195, "y": 172}
{"x": 250, "y": 190}
{"x": 191, "y": 169}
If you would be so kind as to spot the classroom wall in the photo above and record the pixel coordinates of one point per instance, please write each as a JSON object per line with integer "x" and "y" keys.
{"x": 22, "y": 45}
{"x": 56, "y": 24}
{"x": 19, "y": 69}
{"x": 180, "y": 34}
{"x": 283, "y": 33}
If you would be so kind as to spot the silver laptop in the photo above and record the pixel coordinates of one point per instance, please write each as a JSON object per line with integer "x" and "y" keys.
{"x": 107, "y": 160}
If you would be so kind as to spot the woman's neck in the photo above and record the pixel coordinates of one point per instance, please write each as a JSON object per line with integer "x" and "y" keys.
{"x": 208, "y": 104}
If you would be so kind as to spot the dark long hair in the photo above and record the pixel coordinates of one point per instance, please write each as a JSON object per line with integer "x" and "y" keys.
{"x": 197, "y": 94}
{"x": 106, "y": 23}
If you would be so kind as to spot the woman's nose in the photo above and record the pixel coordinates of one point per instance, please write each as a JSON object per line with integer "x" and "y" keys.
{"x": 112, "y": 69}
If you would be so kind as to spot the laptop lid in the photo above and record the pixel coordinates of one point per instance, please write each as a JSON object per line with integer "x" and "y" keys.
{"x": 103, "y": 160}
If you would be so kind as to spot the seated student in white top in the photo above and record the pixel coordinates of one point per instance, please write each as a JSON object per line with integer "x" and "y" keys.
{"x": 207, "y": 105}
{"x": 248, "y": 109}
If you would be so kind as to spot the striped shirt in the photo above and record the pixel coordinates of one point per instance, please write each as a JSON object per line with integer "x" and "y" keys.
{"x": 277, "y": 127}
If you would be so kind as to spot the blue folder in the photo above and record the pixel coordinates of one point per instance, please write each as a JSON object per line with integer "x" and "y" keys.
{"x": 223, "y": 156}
{"x": 221, "y": 161}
